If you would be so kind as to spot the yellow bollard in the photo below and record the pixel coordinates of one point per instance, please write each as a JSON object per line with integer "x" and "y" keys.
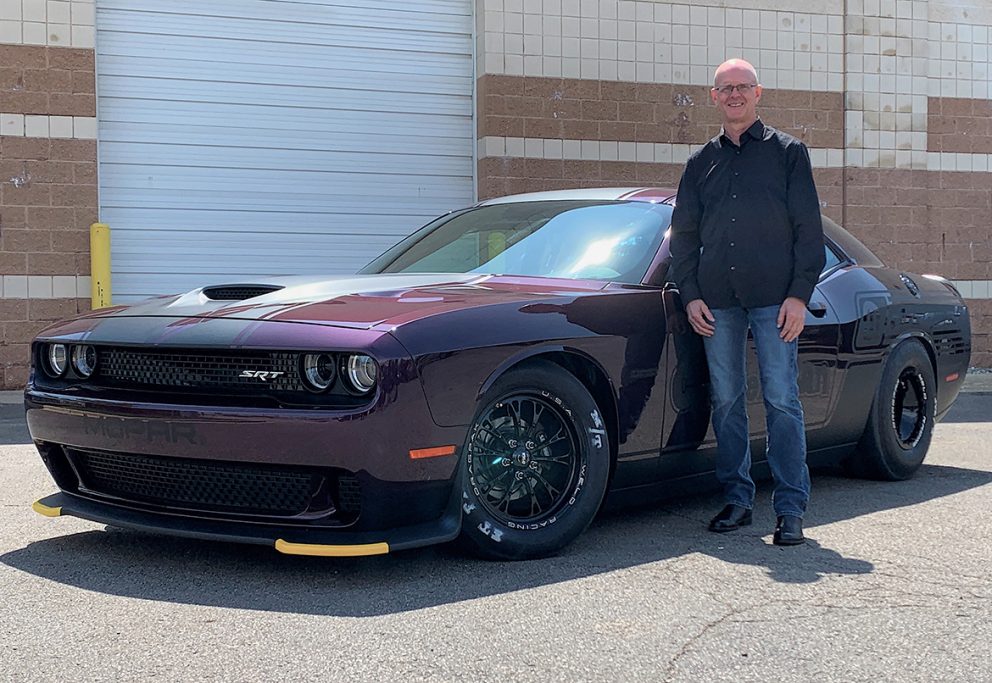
{"x": 100, "y": 265}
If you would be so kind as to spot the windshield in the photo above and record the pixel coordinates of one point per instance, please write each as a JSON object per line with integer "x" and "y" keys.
{"x": 596, "y": 240}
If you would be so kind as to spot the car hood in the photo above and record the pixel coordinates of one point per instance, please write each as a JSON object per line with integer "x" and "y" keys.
{"x": 358, "y": 301}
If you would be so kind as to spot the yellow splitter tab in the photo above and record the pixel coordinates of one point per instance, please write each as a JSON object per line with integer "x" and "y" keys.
{"x": 45, "y": 510}
{"x": 318, "y": 550}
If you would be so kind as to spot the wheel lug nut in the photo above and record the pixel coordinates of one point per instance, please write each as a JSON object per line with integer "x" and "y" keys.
{"x": 519, "y": 475}
{"x": 530, "y": 444}
{"x": 513, "y": 443}
{"x": 505, "y": 462}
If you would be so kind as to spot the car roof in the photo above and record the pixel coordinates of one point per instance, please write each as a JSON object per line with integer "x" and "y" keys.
{"x": 656, "y": 195}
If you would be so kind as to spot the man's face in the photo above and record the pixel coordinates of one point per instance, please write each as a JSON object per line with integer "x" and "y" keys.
{"x": 740, "y": 105}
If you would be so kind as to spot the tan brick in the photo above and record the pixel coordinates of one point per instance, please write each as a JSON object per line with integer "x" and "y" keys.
{"x": 13, "y": 217}
{"x": 27, "y": 148}
{"x": 14, "y": 354}
{"x": 73, "y": 150}
{"x": 598, "y": 110}
{"x": 47, "y": 218}
{"x": 503, "y": 126}
{"x": 13, "y": 263}
{"x": 575, "y": 168}
{"x": 15, "y": 377}
{"x": 72, "y": 104}
{"x": 637, "y": 112}
{"x": 543, "y": 128}
{"x": 25, "y": 56}
{"x": 73, "y": 195}
{"x": 579, "y": 89}
{"x": 13, "y": 310}
{"x": 51, "y": 309}
{"x": 21, "y": 332}
{"x": 84, "y": 217}
{"x": 580, "y": 130}
{"x": 621, "y": 131}
{"x": 84, "y": 173}
{"x": 52, "y": 264}
{"x": 48, "y": 80}
{"x": 75, "y": 59}
{"x": 27, "y": 241}
{"x": 25, "y": 102}
{"x": 618, "y": 91}
{"x": 31, "y": 194}
{"x": 543, "y": 168}
{"x": 83, "y": 82}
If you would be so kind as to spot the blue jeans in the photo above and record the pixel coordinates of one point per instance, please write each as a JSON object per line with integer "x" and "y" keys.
{"x": 778, "y": 366}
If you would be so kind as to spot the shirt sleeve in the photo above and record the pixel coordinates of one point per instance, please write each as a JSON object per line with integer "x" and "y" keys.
{"x": 808, "y": 256}
{"x": 685, "y": 241}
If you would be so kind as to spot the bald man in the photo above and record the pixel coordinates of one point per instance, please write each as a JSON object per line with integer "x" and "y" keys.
{"x": 747, "y": 246}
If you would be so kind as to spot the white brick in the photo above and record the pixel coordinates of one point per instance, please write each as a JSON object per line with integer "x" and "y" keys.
{"x": 12, "y": 124}
{"x": 15, "y": 286}
{"x": 84, "y": 287}
{"x": 10, "y": 32}
{"x": 35, "y": 33}
{"x": 60, "y": 126}
{"x": 36, "y": 126}
{"x": 64, "y": 287}
{"x": 39, "y": 287}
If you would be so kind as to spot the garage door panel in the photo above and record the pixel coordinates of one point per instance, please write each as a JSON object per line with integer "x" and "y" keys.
{"x": 129, "y": 137}
{"x": 328, "y": 98}
{"x": 397, "y": 221}
{"x": 242, "y": 137}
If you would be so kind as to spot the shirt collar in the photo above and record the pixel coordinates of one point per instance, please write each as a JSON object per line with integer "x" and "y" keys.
{"x": 756, "y": 130}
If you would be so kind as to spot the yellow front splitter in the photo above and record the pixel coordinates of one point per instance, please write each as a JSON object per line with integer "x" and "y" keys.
{"x": 320, "y": 550}
{"x": 46, "y": 510}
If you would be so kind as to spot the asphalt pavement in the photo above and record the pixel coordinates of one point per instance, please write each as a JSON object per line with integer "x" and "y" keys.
{"x": 895, "y": 584}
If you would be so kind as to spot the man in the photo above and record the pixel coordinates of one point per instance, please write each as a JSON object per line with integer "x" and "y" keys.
{"x": 747, "y": 247}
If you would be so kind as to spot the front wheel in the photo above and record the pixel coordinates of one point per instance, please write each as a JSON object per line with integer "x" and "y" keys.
{"x": 535, "y": 465}
{"x": 900, "y": 424}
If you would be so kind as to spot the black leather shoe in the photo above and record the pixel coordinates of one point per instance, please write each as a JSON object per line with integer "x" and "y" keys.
{"x": 789, "y": 531}
{"x": 729, "y": 518}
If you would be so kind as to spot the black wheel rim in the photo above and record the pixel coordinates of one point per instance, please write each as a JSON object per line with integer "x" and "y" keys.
{"x": 909, "y": 408}
{"x": 523, "y": 460}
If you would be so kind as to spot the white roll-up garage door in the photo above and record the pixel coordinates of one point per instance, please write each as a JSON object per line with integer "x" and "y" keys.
{"x": 244, "y": 138}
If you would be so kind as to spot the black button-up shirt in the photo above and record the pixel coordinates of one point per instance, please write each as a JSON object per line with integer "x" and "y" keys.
{"x": 746, "y": 230}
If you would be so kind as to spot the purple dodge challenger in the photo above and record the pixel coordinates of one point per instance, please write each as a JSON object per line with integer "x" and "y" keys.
{"x": 495, "y": 377}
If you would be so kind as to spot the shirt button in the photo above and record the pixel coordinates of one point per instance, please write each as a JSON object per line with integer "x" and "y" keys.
{"x": 733, "y": 220}
{"x": 731, "y": 244}
{"x": 733, "y": 196}
{"x": 736, "y": 173}
{"x": 732, "y": 268}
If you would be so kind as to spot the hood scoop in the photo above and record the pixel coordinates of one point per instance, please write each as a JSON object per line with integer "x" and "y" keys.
{"x": 238, "y": 292}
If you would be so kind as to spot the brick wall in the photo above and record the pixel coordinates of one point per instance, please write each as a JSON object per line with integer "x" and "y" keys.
{"x": 48, "y": 193}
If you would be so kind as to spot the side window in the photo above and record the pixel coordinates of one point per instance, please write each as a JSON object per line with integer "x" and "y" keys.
{"x": 832, "y": 260}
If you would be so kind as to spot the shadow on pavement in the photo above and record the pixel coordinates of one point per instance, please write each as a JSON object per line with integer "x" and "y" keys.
{"x": 133, "y": 564}
{"x": 975, "y": 407}
{"x": 13, "y": 428}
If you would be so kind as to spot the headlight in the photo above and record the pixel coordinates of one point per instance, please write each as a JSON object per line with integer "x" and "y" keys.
{"x": 57, "y": 359}
{"x": 84, "y": 360}
{"x": 318, "y": 371}
{"x": 361, "y": 372}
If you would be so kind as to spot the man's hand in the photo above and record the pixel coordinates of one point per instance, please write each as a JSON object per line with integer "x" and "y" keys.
{"x": 791, "y": 318}
{"x": 700, "y": 318}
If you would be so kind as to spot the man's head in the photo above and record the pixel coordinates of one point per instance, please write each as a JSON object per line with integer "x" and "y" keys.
{"x": 736, "y": 93}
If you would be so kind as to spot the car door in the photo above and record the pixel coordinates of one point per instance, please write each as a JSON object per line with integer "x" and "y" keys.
{"x": 687, "y": 429}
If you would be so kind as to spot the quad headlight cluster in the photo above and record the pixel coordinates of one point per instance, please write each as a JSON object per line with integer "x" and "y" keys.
{"x": 359, "y": 373}
{"x": 58, "y": 357}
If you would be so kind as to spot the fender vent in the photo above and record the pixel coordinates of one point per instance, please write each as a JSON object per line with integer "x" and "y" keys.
{"x": 950, "y": 342}
{"x": 238, "y": 292}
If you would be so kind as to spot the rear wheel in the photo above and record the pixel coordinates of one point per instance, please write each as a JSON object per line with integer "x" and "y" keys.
{"x": 536, "y": 464}
{"x": 900, "y": 424}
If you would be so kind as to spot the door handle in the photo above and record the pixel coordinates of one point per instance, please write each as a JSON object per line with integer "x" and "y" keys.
{"x": 817, "y": 308}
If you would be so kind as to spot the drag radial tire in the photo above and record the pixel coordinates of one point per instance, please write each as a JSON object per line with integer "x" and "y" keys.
{"x": 901, "y": 420}
{"x": 535, "y": 465}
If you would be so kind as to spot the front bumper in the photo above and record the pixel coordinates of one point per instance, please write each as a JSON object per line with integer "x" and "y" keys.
{"x": 405, "y": 501}
{"x": 287, "y": 540}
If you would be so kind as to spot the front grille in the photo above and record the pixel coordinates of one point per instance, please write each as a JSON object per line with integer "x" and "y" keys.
{"x": 210, "y": 486}
{"x": 950, "y": 342}
{"x": 199, "y": 370}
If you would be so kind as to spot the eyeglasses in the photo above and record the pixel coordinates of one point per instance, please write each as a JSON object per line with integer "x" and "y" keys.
{"x": 742, "y": 88}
